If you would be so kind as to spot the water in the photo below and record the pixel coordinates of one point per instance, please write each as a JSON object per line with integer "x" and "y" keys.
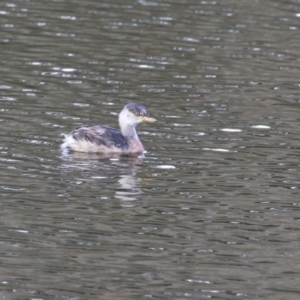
{"x": 212, "y": 209}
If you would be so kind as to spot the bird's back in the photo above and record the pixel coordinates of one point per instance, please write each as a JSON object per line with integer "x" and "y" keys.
{"x": 95, "y": 138}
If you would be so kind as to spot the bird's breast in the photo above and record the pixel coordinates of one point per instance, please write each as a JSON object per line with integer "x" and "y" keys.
{"x": 135, "y": 146}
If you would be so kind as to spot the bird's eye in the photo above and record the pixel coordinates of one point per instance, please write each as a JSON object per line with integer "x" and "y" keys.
{"x": 137, "y": 114}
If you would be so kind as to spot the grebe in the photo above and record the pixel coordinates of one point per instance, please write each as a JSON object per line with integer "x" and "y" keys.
{"x": 104, "y": 139}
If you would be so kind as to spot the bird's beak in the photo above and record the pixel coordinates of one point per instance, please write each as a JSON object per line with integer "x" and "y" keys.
{"x": 147, "y": 119}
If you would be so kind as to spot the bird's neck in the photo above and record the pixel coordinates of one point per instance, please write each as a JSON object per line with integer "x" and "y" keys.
{"x": 129, "y": 132}
{"x": 134, "y": 144}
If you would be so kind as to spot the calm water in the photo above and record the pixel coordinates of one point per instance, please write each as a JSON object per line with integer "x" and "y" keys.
{"x": 212, "y": 211}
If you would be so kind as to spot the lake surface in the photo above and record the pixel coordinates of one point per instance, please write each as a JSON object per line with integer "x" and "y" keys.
{"x": 212, "y": 210}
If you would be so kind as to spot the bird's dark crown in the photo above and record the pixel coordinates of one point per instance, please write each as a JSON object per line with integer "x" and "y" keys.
{"x": 137, "y": 109}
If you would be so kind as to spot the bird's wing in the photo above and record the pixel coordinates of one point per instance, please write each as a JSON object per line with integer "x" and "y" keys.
{"x": 100, "y": 135}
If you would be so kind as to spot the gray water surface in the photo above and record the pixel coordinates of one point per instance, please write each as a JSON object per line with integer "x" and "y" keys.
{"x": 211, "y": 211}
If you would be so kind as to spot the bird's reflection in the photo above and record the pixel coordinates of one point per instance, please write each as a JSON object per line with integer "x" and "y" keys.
{"x": 128, "y": 189}
{"x": 117, "y": 174}
{"x": 80, "y": 159}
